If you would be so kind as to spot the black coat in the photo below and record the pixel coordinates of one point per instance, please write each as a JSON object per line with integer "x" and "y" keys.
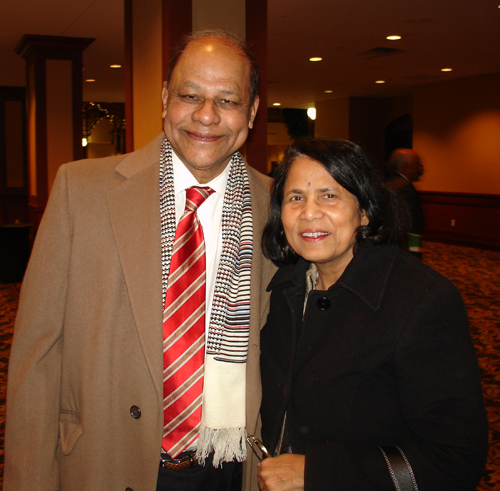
{"x": 402, "y": 186}
{"x": 384, "y": 357}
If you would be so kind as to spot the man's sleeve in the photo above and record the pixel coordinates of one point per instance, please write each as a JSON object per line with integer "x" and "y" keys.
{"x": 34, "y": 378}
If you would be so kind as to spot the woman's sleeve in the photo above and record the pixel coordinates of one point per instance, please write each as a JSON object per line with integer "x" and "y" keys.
{"x": 439, "y": 390}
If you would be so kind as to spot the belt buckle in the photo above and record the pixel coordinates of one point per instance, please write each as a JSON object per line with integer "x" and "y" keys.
{"x": 178, "y": 464}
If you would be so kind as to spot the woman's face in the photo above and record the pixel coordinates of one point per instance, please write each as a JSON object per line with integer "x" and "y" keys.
{"x": 320, "y": 217}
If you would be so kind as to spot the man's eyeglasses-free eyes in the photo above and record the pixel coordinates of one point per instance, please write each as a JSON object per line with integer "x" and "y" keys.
{"x": 258, "y": 448}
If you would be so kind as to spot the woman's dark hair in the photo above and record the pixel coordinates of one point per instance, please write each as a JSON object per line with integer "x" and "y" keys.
{"x": 349, "y": 165}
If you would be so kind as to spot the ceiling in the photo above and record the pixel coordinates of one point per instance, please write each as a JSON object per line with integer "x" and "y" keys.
{"x": 348, "y": 34}
{"x": 102, "y": 20}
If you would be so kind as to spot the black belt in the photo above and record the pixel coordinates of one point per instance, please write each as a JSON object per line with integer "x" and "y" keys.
{"x": 184, "y": 461}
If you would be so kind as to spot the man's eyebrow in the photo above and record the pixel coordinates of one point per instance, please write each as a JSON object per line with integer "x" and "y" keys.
{"x": 191, "y": 85}
{"x": 225, "y": 90}
{"x": 229, "y": 91}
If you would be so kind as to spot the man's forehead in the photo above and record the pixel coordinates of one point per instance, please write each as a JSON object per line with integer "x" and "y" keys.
{"x": 210, "y": 45}
{"x": 212, "y": 41}
{"x": 223, "y": 53}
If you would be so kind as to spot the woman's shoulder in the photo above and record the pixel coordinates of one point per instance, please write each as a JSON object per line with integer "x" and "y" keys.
{"x": 392, "y": 268}
{"x": 419, "y": 283}
{"x": 414, "y": 269}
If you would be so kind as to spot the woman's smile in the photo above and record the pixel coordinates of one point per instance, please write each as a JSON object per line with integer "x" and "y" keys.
{"x": 314, "y": 235}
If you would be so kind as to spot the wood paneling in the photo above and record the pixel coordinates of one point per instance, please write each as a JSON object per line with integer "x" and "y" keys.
{"x": 466, "y": 218}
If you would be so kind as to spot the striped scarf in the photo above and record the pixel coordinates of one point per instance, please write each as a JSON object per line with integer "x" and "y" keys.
{"x": 224, "y": 391}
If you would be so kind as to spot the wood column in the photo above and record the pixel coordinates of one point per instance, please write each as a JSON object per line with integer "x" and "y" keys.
{"x": 256, "y": 38}
{"x": 54, "y": 96}
{"x": 13, "y": 156}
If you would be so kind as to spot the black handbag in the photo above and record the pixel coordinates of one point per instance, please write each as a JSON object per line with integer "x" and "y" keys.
{"x": 399, "y": 468}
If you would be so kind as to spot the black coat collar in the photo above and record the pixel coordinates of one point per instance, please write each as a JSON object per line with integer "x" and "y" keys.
{"x": 366, "y": 275}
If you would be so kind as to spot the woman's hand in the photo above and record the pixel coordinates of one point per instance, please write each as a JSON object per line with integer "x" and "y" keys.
{"x": 283, "y": 473}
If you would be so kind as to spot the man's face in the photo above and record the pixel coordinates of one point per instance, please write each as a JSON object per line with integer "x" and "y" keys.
{"x": 206, "y": 110}
{"x": 415, "y": 169}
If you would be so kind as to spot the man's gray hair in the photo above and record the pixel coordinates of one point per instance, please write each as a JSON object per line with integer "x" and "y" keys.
{"x": 183, "y": 43}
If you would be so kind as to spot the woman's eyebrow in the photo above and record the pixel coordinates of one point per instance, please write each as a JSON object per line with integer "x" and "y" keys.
{"x": 294, "y": 191}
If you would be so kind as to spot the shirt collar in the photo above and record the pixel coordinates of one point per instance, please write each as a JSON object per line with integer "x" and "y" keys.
{"x": 402, "y": 175}
{"x": 183, "y": 178}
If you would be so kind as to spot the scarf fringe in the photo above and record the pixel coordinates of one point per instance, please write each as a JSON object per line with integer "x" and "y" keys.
{"x": 228, "y": 444}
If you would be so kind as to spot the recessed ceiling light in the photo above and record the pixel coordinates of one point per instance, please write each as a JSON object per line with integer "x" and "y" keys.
{"x": 90, "y": 80}
{"x": 115, "y": 66}
{"x": 446, "y": 69}
{"x": 380, "y": 81}
{"x": 328, "y": 91}
{"x": 315, "y": 58}
{"x": 276, "y": 103}
{"x": 393, "y": 38}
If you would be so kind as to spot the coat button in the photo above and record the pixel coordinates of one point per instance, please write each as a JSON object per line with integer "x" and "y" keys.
{"x": 323, "y": 303}
{"x": 129, "y": 489}
{"x": 135, "y": 412}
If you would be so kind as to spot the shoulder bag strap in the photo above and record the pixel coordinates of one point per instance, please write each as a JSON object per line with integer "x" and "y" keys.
{"x": 399, "y": 468}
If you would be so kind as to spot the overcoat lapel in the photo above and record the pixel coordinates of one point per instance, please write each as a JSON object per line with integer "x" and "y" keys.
{"x": 262, "y": 272}
{"x": 134, "y": 211}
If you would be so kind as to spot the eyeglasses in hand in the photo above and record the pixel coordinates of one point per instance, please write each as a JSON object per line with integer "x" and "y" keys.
{"x": 258, "y": 448}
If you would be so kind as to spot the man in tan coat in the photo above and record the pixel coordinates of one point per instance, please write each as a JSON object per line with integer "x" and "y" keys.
{"x": 85, "y": 393}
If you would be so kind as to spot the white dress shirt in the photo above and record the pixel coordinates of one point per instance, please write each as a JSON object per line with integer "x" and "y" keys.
{"x": 210, "y": 216}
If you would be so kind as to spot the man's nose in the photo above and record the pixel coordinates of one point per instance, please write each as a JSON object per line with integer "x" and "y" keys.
{"x": 207, "y": 113}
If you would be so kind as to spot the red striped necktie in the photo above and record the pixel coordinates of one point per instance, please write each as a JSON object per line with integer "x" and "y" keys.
{"x": 184, "y": 330}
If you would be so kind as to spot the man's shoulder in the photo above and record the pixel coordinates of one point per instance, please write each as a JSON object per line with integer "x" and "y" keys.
{"x": 101, "y": 164}
{"x": 125, "y": 164}
{"x": 96, "y": 174}
{"x": 258, "y": 182}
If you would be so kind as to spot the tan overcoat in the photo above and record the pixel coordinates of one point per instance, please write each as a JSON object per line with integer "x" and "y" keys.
{"x": 84, "y": 402}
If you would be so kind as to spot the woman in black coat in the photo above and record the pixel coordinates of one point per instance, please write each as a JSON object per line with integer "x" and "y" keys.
{"x": 369, "y": 375}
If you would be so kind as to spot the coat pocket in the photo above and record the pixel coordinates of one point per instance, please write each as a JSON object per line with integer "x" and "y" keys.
{"x": 70, "y": 430}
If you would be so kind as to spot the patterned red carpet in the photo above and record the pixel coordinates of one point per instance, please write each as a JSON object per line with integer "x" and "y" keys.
{"x": 475, "y": 272}
{"x": 9, "y": 296}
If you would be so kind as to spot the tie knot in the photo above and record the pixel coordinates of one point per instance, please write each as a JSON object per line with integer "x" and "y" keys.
{"x": 195, "y": 197}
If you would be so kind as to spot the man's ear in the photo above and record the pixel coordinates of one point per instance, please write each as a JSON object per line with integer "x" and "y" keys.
{"x": 253, "y": 111}
{"x": 164, "y": 98}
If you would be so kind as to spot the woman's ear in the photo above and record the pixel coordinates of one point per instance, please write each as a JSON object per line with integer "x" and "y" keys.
{"x": 364, "y": 218}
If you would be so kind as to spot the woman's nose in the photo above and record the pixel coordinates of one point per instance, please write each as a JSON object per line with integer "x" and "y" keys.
{"x": 311, "y": 210}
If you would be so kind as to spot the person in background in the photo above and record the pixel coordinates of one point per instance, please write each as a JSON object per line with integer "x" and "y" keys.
{"x": 116, "y": 380}
{"x": 369, "y": 375}
{"x": 403, "y": 169}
